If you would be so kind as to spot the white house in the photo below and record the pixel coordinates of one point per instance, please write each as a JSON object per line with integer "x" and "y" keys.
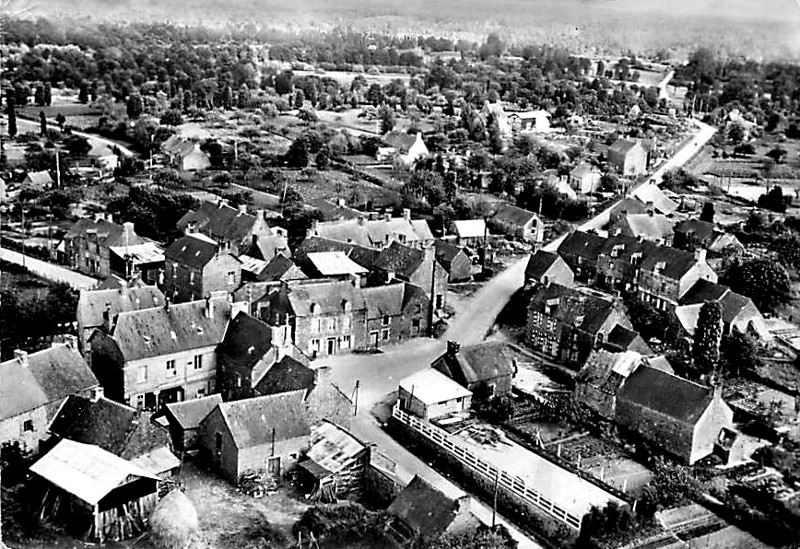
{"x": 430, "y": 394}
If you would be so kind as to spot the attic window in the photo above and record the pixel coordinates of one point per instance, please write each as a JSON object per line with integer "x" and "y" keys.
{"x": 183, "y": 249}
{"x": 199, "y": 329}
{"x": 251, "y": 349}
{"x": 173, "y": 335}
{"x": 345, "y": 305}
{"x": 146, "y": 338}
{"x": 314, "y": 308}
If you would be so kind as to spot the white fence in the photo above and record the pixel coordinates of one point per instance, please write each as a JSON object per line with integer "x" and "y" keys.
{"x": 511, "y": 483}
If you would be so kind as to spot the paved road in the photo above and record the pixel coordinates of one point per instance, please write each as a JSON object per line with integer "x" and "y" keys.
{"x": 50, "y": 271}
{"x": 123, "y": 150}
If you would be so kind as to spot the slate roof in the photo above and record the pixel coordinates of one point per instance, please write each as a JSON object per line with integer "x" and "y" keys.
{"x": 286, "y": 376}
{"x": 190, "y": 413}
{"x": 219, "y": 221}
{"x": 252, "y": 420}
{"x": 49, "y": 376}
{"x": 512, "y": 215}
{"x": 582, "y": 244}
{"x": 246, "y": 342}
{"x": 401, "y": 141}
{"x": 403, "y": 260}
{"x": 627, "y": 340}
{"x": 331, "y": 211}
{"x": 703, "y": 230}
{"x": 373, "y": 233}
{"x": 608, "y": 370}
{"x": 160, "y": 331}
{"x": 651, "y": 227}
{"x": 446, "y": 253}
{"x": 478, "y": 362}
{"x": 539, "y": 263}
{"x": 676, "y": 262}
{"x": 653, "y": 193}
{"x": 92, "y": 303}
{"x": 668, "y": 394}
{"x": 281, "y": 267}
{"x": 195, "y": 250}
{"x": 629, "y": 205}
{"x": 575, "y": 307}
{"x": 384, "y": 300}
{"x": 362, "y": 255}
{"x": 704, "y": 290}
{"x": 328, "y": 295}
{"x": 423, "y": 508}
{"x": 622, "y": 146}
{"x": 112, "y": 426}
{"x": 111, "y": 234}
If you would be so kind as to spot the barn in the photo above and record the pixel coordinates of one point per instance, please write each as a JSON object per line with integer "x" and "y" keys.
{"x": 335, "y": 465}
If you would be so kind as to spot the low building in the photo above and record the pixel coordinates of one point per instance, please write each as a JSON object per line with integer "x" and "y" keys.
{"x": 679, "y": 416}
{"x": 422, "y": 514}
{"x": 408, "y": 147}
{"x": 470, "y": 232}
{"x": 333, "y": 265}
{"x": 95, "y": 492}
{"x": 628, "y": 158}
{"x": 33, "y": 388}
{"x": 537, "y": 121}
{"x": 585, "y": 178}
{"x": 623, "y": 339}
{"x": 163, "y": 354}
{"x": 144, "y": 261}
{"x": 518, "y": 223}
{"x": 567, "y": 323}
{"x": 454, "y": 260}
{"x": 97, "y": 308}
{"x": 375, "y": 232}
{"x": 185, "y": 154}
{"x": 487, "y": 369}
{"x": 335, "y": 465}
{"x": 364, "y": 256}
{"x": 184, "y": 420}
{"x": 653, "y": 196}
{"x": 263, "y": 434}
{"x": 197, "y": 266}
{"x": 37, "y": 181}
{"x": 546, "y": 267}
{"x": 119, "y": 429}
{"x": 281, "y": 268}
{"x": 429, "y": 394}
{"x": 694, "y": 233}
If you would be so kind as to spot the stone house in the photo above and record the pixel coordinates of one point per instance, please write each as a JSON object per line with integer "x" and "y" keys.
{"x": 185, "y": 154}
{"x": 654, "y": 197}
{"x": 628, "y": 158}
{"x": 86, "y": 246}
{"x": 580, "y": 251}
{"x": 34, "y": 386}
{"x": 376, "y": 232}
{"x": 409, "y": 148}
{"x": 650, "y": 226}
{"x": 252, "y": 353}
{"x": 396, "y": 312}
{"x": 486, "y": 369}
{"x": 667, "y": 274}
{"x": 184, "y": 420}
{"x": 262, "y": 434}
{"x": 454, "y": 260}
{"x": 236, "y": 230}
{"x": 415, "y": 266}
{"x": 546, "y": 267}
{"x": 694, "y": 233}
{"x": 197, "y": 266}
{"x": 567, "y": 323}
{"x": 280, "y": 268}
{"x": 326, "y": 316}
{"x": 681, "y": 417}
{"x": 537, "y": 121}
{"x": 96, "y": 308}
{"x": 585, "y": 178}
{"x": 518, "y": 223}
{"x": 154, "y": 356}
{"x": 363, "y": 255}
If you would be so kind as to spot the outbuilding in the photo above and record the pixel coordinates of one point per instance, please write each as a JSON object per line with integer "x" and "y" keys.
{"x": 335, "y": 465}
{"x": 430, "y": 394}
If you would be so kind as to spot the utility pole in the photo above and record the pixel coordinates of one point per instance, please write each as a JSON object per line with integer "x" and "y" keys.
{"x": 355, "y": 397}
{"x": 58, "y": 170}
{"x": 24, "y": 233}
{"x": 494, "y": 499}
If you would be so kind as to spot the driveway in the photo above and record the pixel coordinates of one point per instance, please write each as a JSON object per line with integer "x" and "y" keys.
{"x": 50, "y": 271}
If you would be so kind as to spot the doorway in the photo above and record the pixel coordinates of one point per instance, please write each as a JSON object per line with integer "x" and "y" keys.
{"x": 331, "y": 344}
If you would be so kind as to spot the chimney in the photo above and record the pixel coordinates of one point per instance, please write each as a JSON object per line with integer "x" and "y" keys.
{"x": 242, "y": 209}
{"x": 650, "y": 212}
{"x": 387, "y": 216}
{"x": 700, "y": 254}
{"x": 21, "y": 356}
{"x": 356, "y": 280}
{"x": 97, "y": 394}
{"x": 127, "y": 227}
{"x": 166, "y": 303}
{"x": 107, "y": 318}
{"x": 453, "y": 347}
{"x": 341, "y": 202}
{"x": 361, "y": 220}
{"x": 123, "y": 287}
{"x": 209, "y": 309}
{"x": 407, "y": 215}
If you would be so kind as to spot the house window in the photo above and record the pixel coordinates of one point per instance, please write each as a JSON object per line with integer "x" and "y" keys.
{"x": 238, "y": 380}
{"x": 198, "y": 362}
{"x": 345, "y": 342}
{"x": 174, "y": 271}
{"x": 317, "y": 325}
{"x": 141, "y": 376}
{"x": 385, "y": 334}
{"x": 313, "y": 345}
{"x": 201, "y": 392}
{"x": 231, "y": 276}
{"x": 331, "y": 324}
{"x": 191, "y": 277}
{"x": 387, "y": 320}
{"x": 346, "y": 322}
{"x": 415, "y": 326}
{"x": 140, "y": 401}
{"x": 171, "y": 368}
{"x": 27, "y": 426}
{"x": 218, "y": 442}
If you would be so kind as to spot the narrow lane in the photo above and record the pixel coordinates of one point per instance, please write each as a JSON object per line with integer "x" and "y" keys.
{"x": 50, "y": 271}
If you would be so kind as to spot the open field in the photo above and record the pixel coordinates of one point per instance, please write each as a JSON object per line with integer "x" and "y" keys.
{"x": 757, "y": 29}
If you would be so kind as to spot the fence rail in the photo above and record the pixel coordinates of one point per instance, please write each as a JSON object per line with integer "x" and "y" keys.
{"x": 511, "y": 483}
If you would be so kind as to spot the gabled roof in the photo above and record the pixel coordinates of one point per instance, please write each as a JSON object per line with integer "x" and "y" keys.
{"x": 332, "y": 447}
{"x": 373, "y": 232}
{"x": 470, "y": 228}
{"x": 362, "y": 255}
{"x": 622, "y": 146}
{"x": 285, "y": 376}
{"x": 608, "y": 370}
{"x": 629, "y": 205}
{"x": 111, "y": 234}
{"x": 424, "y": 509}
{"x": 583, "y": 169}
{"x": 328, "y": 296}
{"x": 401, "y": 141}
{"x": 195, "y": 250}
{"x": 49, "y": 376}
{"x": 584, "y": 310}
{"x": 384, "y": 300}
{"x": 668, "y": 394}
{"x": 41, "y": 178}
{"x": 676, "y": 263}
{"x": 652, "y": 227}
{"x": 512, "y": 215}
{"x": 627, "y": 340}
{"x": 160, "y": 331}
{"x": 331, "y": 211}
{"x": 246, "y": 341}
{"x": 219, "y": 221}
{"x": 703, "y": 231}
{"x": 139, "y": 254}
{"x": 190, "y": 413}
{"x": 430, "y": 386}
{"x": 582, "y": 244}
{"x": 403, "y": 260}
{"x": 650, "y": 192}
{"x": 281, "y": 267}
{"x": 86, "y": 471}
{"x": 704, "y": 290}
{"x": 251, "y": 421}
{"x": 540, "y": 263}
{"x": 478, "y": 362}
{"x": 446, "y": 253}
{"x": 334, "y": 264}
{"x": 92, "y": 303}
{"x": 112, "y": 426}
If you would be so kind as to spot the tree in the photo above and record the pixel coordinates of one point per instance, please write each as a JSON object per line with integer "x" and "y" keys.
{"x": 299, "y": 99}
{"x": 322, "y": 160}
{"x": 764, "y": 281}
{"x": 739, "y": 353}
{"x": 61, "y": 120}
{"x": 778, "y": 154}
{"x": 493, "y": 47}
{"x": 77, "y": 145}
{"x": 482, "y": 538}
{"x": 134, "y": 106}
{"x": 83, "y": 93}
{"x": 708, "y": 212}
{"x": 707, "y": 338}
{"x": 284, "y": 83}
{"x": 736, "y": 133}
{"x": 11, "y": 112}
{"x": 48, "y": 94}
{"x": 172, "y": 117}
{"x": 42, "y": 123}
{"x": 387, "y": 118}
{"x": 774, "y": 200}
{"x": 787, "y": 247}
{"x": 297, "y": 155}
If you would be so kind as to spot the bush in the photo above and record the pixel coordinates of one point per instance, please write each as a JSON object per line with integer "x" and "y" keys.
{"x": 340, "y": 524}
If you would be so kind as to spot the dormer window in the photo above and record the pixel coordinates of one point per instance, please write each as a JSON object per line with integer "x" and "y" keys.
{"x": 314, "y": 309}
{"x": 346, "y": 306}
{"x": 636, "y": 258}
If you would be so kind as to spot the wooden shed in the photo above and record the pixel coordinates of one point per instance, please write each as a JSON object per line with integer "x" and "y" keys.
{"x": 335, "y": 465}
{"x": 94, "y": 491}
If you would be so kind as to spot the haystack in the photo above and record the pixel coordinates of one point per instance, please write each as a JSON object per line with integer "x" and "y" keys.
{"x": 174, "y": 523}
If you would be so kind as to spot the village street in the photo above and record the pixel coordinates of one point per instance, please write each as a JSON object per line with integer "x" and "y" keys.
{"x": 50, "y": 271}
